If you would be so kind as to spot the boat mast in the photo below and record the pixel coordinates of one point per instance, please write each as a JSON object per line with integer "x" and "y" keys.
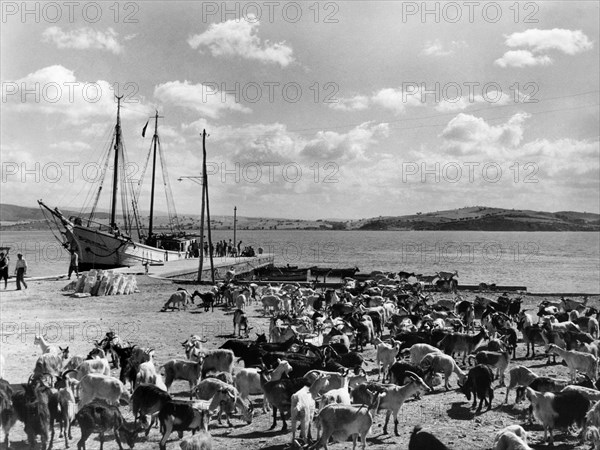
{"x": 113, "y": 211}
{"x": 155, "y": 139}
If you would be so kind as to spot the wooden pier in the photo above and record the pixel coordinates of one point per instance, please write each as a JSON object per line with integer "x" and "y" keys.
{"x": 188, "y": 267}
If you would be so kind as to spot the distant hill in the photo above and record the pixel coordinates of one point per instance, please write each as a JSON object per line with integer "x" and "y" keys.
{"x": 481, "y": 218}
{"x": 476, "y": 218}
{"x": 13, "y": 217}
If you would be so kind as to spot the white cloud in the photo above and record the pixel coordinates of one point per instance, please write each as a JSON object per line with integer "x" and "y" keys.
{"x": 540, "y": 42}
{"x": 56, "y": 90}
{"x": 462, "y": 103}
{"x": 342, "y": 147}
{"x": 470, "y": 133}
{"x": 199, "y": 97}
{"x": 356, "y": 103}
{"x": 436, "y": 48}
{"x": 522, "y": 58}
{"x": 83, "y": 39}
{"x": 397, "y": 100}
{"x": 567, "y": 41}
{"x": 238, "y": 38}
{"x": 70, "y": 146}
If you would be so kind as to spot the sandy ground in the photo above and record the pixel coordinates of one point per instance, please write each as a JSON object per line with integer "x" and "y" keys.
{"x": 76, "y": 321}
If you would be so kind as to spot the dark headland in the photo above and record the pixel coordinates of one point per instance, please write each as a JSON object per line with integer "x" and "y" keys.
{"x": 473, "y": 218}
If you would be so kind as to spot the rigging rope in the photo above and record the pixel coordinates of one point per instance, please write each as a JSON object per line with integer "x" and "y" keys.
{"x": 173, "y": 219}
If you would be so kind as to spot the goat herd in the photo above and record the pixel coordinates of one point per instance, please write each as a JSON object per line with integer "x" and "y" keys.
{"x": 311, "y": 368}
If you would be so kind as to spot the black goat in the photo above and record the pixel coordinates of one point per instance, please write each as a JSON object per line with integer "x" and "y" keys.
{"x": 32, "y": 407}
{"x": 479, "y": 384}
{"x": 148, "y": 399}
{"x": 422, "y": 440}
{"x": 100, "y": 417}
{"x": 7, "y": 412}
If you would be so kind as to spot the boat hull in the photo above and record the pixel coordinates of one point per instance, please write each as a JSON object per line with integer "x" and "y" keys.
{"x": 102, "y": 250}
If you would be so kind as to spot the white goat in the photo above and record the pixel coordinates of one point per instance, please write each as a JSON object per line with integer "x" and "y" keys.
{"x": 386, "y": 356}
{"x": 247, "y": 381}
{"x": 519, "y": 376}
{"x": 394, "y": 397}
{"x": 95, "y": 385}
{"x": 509, "y": 440}
{"x": 439, "y": 362}
{"x": 342, "y": 421}
{"x": 340, "y": 395}
{"x": 303, "y": 408}
{"x": 584, "y": 362}
{"x": 418, "y": 351}
{"x": 46, "y": 348}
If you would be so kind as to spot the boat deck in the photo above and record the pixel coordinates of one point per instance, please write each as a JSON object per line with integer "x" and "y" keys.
{"x": 187, "y": 267}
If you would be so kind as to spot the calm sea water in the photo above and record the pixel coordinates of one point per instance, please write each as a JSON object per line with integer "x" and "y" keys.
{"x": 544, "y": 262}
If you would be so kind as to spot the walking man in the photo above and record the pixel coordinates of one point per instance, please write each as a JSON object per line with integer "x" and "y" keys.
{"x": 4, "y": 268}
{"x": 21, "y": 271}
{"x": 74, "y": 265}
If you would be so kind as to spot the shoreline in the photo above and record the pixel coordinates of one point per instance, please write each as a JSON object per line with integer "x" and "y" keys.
{"x": 192, "y": 282}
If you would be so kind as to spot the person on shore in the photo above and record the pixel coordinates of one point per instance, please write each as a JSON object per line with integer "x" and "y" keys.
{"x": 74, "y": 265}
{"x": 21, "y": 271}
{"x": 230, "y": 275}
{"x": 4, "y": 269}
{"x": 239, "y": 248}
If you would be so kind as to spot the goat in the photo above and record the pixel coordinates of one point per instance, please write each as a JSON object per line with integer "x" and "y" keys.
{"x": 147, "y": 400}
{"x": 193, "y": 348}
{"x": 593, "y": 425}
{"x": 200, "y": 441}
{"x": 177, "y": 369}
{"x": 181, "y": 416}
{"x": 240, "y": 319}
{"x": 479, "y": 384}
{"x": 99, "y": 417}
{"x": 422, "y": 440}
{"x": 584, "y": 362}
{"x": 46, "y": 348}
{"x": 32, "y": 407}
{"x": 418, "y": 351}
{"x": 147, "y": 373}
{"x": 466, "y": 343}
{"x": 394, "y": 397}
{"x": 48, "y": 363}
{"x": 209, "y": 387}
{"x": 303, "y": 407}
{"x": 279, "y": 395}
{"x": 513, "y": 437}
{"x": 340, "y": 395}
{"x": 7, "y": 413}
{"x": 386, "y": 356}
{"x": 97, "y": 364}
{"x": 592, "y": 395}
{"x": 247, "y": 381}
{"x": 497, "y": 360}
{"x": 342, "y": 421}
{"x": 219, "y": 360}
{"x": 179, "y": 299}
{"x": 95, "y": 385}
{"x": 66, "y": 401}
{"x": 438, "y": 362}
{"x": 519, "y": 376}
{"x": 559, "y": 409}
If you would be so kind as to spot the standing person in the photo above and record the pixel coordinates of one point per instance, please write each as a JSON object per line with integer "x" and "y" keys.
{"x": 239, "y": 248}
{"x": 4, "y": 269}
{"x": 74, "y": 265}
{"x": 20, "y": 271}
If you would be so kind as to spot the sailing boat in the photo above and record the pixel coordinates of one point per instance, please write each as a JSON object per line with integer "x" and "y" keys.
{"x": 103, "y": 246}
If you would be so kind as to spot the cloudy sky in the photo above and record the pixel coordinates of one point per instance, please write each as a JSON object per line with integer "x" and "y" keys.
{"x": 313, "y": 110}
